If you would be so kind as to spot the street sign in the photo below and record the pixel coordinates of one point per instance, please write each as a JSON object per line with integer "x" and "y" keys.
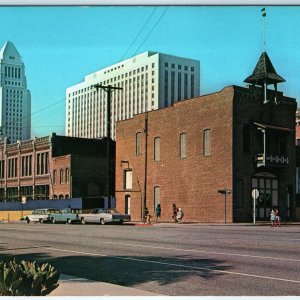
{"x": 255, "y": 193}
{"x": 23, "y": 199}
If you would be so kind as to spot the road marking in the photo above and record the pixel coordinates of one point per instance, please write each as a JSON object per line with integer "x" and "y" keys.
{"x": 175, "y": 265}
{"x": 203, "y": 251}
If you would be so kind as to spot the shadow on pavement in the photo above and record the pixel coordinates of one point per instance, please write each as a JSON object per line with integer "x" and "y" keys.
{"x": 128, "y": 270}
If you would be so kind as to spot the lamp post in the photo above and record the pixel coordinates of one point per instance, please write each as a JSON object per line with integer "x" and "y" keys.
{"x": 225, "y": 192}
{"x": 108, "y": 89}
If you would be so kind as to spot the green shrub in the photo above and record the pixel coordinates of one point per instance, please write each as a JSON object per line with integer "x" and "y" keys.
{"x": 27, "y": 278}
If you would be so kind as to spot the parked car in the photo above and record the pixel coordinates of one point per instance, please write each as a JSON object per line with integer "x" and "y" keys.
{"x": 38, "y": 215}
{"x": 66, "y": 215}
{"x": 102, "y": 216}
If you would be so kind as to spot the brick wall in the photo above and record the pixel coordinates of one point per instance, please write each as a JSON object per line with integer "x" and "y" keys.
{"x": 191, "y": 183}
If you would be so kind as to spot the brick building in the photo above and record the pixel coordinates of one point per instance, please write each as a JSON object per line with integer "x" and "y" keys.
{"x": 54, "y": 167}
{"x": 238, "y": 139}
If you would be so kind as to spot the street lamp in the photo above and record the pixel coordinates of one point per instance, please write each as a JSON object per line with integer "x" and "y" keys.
{"x": 108, "y": 89}
{"x": 225, "y": 192}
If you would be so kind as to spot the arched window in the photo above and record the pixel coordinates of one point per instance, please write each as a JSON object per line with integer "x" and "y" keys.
{"x": 67, "y": 196}
{"x": 207, "y": 142}
{"x": 61, "y": 196}
{"x": 67, "y": 175}
{"x": 182, "y": 148}
{"x": 138, "y": 144}
{"x": 157, "y": 149}
{"x": 54, "y": 176}
{"x": 156, "y": 196}
{"x": 61, "y": 176}
{"x": 54, "y": 196}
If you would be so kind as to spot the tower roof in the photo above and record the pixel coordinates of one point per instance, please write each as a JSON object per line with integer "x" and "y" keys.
{"x": 9, "y": 49}
{"x": 264, "y": 72}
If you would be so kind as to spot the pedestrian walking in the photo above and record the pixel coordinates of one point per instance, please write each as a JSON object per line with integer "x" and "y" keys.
{"x": 278, "y": 220}
{"x": 146, "y": 214}
{"x": 179, "y": 215}
{"x": 175, "y": 211}
{"x": 158, "y": 212}
{"x": 272, "y": 218}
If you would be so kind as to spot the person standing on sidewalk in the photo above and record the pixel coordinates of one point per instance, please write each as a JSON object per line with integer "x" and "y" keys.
{"x": 277, "y": 218}
{"x": 158, "y": 212}
{"x": 175, "y": 211}
{"x": 180, "y": 215}
{"x": 272, "y": 218}
{"x": 146, "y": 214}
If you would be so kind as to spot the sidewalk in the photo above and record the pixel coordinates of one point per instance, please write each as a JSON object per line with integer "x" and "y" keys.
{"x": 74, "y": 286}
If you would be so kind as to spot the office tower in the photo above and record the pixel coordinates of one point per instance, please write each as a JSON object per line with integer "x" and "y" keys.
{"x": 15, "y": 99}
{"x": 149, "y": 81}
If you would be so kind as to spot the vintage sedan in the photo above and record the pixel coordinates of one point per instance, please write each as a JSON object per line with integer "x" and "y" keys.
{"x": 66, "y": 215}
{"x": 38, "y": 215}
{"x": 102, "y": 216}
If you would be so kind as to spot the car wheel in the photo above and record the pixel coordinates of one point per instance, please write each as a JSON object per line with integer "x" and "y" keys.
{"x": 82, "y": 221}
{"x": 27, "y": 220}
{"x": 53, "y": 220}
{"x": 69, "y": 221}
{"x": 41, "y": 221}
{"x": 102, "y": 221}
{"x": 121, "y": 222}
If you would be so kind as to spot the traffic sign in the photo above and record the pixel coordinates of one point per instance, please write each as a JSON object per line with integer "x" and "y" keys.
{"x": 255, "y": 193}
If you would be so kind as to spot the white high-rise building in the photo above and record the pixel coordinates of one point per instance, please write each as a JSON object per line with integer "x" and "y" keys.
{"x": 15, "y": 99}
{"x": 149, "y": 81}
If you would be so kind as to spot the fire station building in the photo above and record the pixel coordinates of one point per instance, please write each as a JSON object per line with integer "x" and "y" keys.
{"x": 208, "y": 154}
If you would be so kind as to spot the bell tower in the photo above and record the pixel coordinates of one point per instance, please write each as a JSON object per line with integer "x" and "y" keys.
{"x": 264, "y": 73}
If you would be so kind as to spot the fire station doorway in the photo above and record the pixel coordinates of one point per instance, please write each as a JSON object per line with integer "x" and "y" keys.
{"x": 267, "y": 185}
{"x": 127, "y": 204}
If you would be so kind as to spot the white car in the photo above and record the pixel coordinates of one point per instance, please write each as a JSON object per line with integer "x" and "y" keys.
{"x": 102, "y": 216}
{"x": 38, "y": 215}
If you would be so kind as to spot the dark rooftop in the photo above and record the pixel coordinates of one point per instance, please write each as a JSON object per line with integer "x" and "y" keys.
{"x": 264, "y": 72}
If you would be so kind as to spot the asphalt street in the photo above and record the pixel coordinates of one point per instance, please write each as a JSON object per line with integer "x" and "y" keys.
{"x": 169, "y": 259}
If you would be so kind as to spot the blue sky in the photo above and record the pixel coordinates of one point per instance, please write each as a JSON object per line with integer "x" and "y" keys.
{"x": 59, "y": 45}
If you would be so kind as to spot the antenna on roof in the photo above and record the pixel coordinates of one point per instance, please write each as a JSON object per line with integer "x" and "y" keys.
{"x": 264, "y": 13}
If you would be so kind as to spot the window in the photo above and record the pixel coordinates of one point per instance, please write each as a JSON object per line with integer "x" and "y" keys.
{"x": 54, "y": 176}
{"x": 67, "y": 175}
{"x": 128, "y": 179}
{"x": 207, "y": 142}
{"x": 172, "y": 86}
{"x": 183, "y": 145}
{"x": 157, "y": 149}
{"x": 156, "y": 196}
{"x": 61, "y": 176}
{"x": 138, "y": 144}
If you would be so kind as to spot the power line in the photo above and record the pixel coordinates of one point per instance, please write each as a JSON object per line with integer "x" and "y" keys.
{"x": 151, "y": 31}
{"x": 139, "y": 33}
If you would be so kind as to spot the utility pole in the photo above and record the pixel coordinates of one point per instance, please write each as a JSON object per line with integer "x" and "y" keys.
{"x": 108, "y": 89}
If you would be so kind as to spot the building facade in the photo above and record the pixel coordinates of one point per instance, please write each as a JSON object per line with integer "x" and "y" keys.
{"x": 238, "y": 140}
{"x": 149, "y": 81}
{"x": 54, "y": 167}
{"x": 15, "y": 98}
